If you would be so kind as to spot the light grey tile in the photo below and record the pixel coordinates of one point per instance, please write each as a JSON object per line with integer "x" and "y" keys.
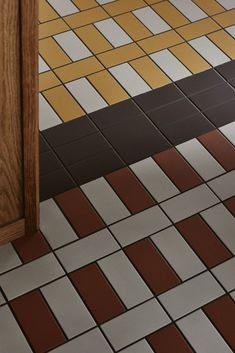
{"x": 189, "y": 9}
{"x": 68, "y": 307}
{"x": 231, "y": 30}
{"x": 154, "y": 179}
{"x": 105, "y": 200}
{"x": 91, "y": 342}
{"x": 223, "y": 224}
{"x": 140, "y": 225}
{"x": 113, "y": 32}
{"x": 43, "y": 67}
{"x": 229, "y": 131}
{"x": 129, "y": 79}
{"x": 233, "y": 295}
{"x": 2, "y": 300}
{"x": 227, "y": 4}
{"x": 191, "y": 295}
{"x": 86, "y": 95}
{"x": 102, "y": 2}
{"x": 54, "y": 225}
{"x": 11, "y": 336}
{"x": 151, "y": 20}
{"x": 87, "y": 250}
{"x": 202, "y": 335}
{"x": 125, "y": 279}
{"x": 30, "y": 276}
{"x": 170, "y": 64}
{"x": 139, "y": 347}
{"x": 8, "y": 258}
{"x": 47, "y": 116}
{"x": 200, "y": 159}
{"x": 135, "y": 324}
{"x": 178, "y": 253}
{"x": 224, "y": 186}
{"x": 189, "y": 203}
{"x": 225, "y": 273}
{"x": 64, "y": 7}
{"x": 209, "y": 51}
{"x": 72, "y": 45}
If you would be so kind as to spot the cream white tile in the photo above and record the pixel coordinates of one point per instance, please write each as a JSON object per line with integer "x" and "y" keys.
{"x": 64, "y": 7}
{"x": 113, "y": 32}
{"x": 231, "y": 30}
{"x": 140, "y": 225}
{"x": 47, "y": 116}
{"x": 154, "y": 179}
{"x": 224, "y": 186}
{"x": 87, "y": 250}
{"x": 105, "y": 200}
{"x": 72, "y": 45}
{"x": 135, "y": 324}
{"x": 30, "y": 276}
{"x": 2, "y": 300}
{"x": 151, "y": 20}
{"x": 229, "y": 132}
{"x": 189, "y": 9}
{"x": 8, "y": 258}
{"x": 191, "y": 295}
{"x": 227, "y": 4}
{"x": 225, "y": 273}
{"x": 233, "y": 295}
{"x": 43, "y": 67}
{"x": 102, "y": 2}
{"x": 139, "y": 347}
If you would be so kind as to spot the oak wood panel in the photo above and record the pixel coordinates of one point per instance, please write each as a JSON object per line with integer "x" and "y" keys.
{"x": 12, "y": 231}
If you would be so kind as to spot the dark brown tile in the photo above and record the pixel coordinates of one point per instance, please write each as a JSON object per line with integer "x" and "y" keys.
{"x": 202, "y": 240}
{"x": 130, "y": 190}
{"x": 37, "y": 322}
{"x": 169, "y": 339}
{"x": 97, "y": 293}
{"x": 227, "y": 70}
{"x": 79, "y": 212}
{"x": 221, "y": 114}
{"x": 43, "y": 145}
{"x": 178, "y": 170}
{"x": 221, "y": 149}
{"x": 230, "y": 204}
{"x": 31, "y": 247}
{"x": 155, "y": 270}
{"x": 49, "y": 163}
{"x": 222, "y": 314}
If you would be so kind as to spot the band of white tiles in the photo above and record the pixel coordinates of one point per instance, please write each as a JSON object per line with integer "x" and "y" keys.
{"x": 47, "y": 116}
{"x": 72, "y": 45}
{"x": 151, "y": 20}
{"x": 8, "y": 258}
{"x": 189, "y": 9}
{"x": 139, "y": 347}
{"x": 64, "y": 7}
{"x": 224, "y": 186}
{"x": 225, "y": 274}
{"x": 113, "y": 32}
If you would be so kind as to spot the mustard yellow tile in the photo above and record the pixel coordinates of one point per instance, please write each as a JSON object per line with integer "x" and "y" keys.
{"x": 226, "y": 19}
{"x": 170, "y": 14}
{"x": 198, "y": 28}
{"x": 160, "y": 41}
{"x": 63, "y": 103}
{"x": 150, "y": 72}
{"x": 46, "y": 12}
{"x": 120, "y": 55}
{"x": 190, "y": 58}
{"x": 85, "y": 4}
{"x": 121, "y": 6}
{"x": 108, "y": 87}
{"x": 133, "y": 26}
{"x": 52, "y": 53}
{"x": 95, "y": 41}
{"x": 211, "y": 7}
{"x": 48, "y": 80}
{"x": 86, "y": 17}
{"x": 52, "y": 27}
{"x": 150, "y": 2}
{"x": 224, "y": 41}
{"x": 79, "y": 69}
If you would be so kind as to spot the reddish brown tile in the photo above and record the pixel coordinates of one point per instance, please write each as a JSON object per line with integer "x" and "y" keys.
{"x": 37, "y": 322}
{"x": 169, "y": 339}
{"x": 220, "y": 148}
{"x": 180, "y": 172}
{"x": 31, "y": 247}
{"x": 79, "y": 212}
{"x": 230, "y": 204}
{"x": 202, "y": 239}
{"x": 222, "y": 314}
{"x": 97, "y": 293}
{"x": 152, "y": 266}
{"x": 130, "y": 190}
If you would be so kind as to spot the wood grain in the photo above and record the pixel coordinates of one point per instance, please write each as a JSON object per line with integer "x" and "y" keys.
{"x": 12, "y": 231}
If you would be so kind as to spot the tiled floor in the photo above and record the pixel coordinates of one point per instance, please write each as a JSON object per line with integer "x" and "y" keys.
{"x": 136, "y": 247}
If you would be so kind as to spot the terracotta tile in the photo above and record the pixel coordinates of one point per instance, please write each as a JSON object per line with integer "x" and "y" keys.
{"x": 156, "y": 272}
{"x": 37, "y": 322}
{"x": 169, "y": 339}
{"x": 178, "y": 169}
{"x": 31, "y": 247}
{"x": 230, "y": 204}
{"x": 97, "y": 293}
{"x": 222, "y": 314}
{"x": 202, "y": 239}
{"x": 130, "y": 190}
{"x": 79, "y": 212}
{"x": 220, "y": 148}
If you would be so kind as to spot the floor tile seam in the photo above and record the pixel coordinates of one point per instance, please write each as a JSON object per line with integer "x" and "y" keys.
{"x": 223, "y": 51}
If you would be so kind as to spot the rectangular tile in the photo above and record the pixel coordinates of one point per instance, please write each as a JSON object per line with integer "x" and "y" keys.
{"x": 139, "y": 347}
{"x": 64, "y": 7}
{"x": 198, "y": 29}
{"x": 160, "y": 41}
{"x": 87, "y": 250}
{"x": 2, "y": 300}
{"x": 121, "y": 6}
{"x": 52, "y": 27}
{"x": 224, "y": 186}
{"x": 221, "y": 114}
{"x": 229, "y": 131}
{"x": 136, "y": 323}
{"x": 93, "y": 39}
{"x": 171, "y": 14}
{"x": 43, "y": 67}
{"x": 151, "y": 20}
{"x": 211, "y": 7}
{"x": 225, "y": 274}
{"x": 139, "y": 226}
{"x": 134, "y": 27}
{"x": 125, "y": 279}
{"x": 113, "y": 33}
{"x": 8, "y": 258}
{"x": 86, "y": 17}
{"x": 189, "y": 9}
{"x": 68, "y": 307}
{"x": 191, "y": 295}
{"x": 227, "y": 4}
{"x": 224, "y": 41}
{"x": 72, "y": 45}
{"x": 52, "y": 53}
{"x": 189, "y": 203}
{"x": 101, "y": 196}
{"x": 47, "y": 116}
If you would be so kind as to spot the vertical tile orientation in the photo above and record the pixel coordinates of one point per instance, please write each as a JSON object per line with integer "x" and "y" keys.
{"x": 189, "y": 9}
{"x": 151, "y": 20}
{"x": 113, "y": 33}
{"x": 72, "y": 45}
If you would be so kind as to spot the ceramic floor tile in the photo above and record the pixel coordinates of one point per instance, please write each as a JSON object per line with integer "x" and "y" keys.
{"x": 227, "y": 4}
{"x": 171, "y": 14}
{"x": 72, "y": 45}
{"x": 113, "y": 33}
{"x": 221, "y": 114}
{"x": 224, "y": 186}
{"x": 189, "y": 9}
{"x": 8, "y": 258}
{"x": 230, "y": 204}
{"x": 228, "y": 130}
{"x": 134, "y": 27}
{"x": 49, "y": 163}
{"x": 47, "y": 116}
{"x": 151, "y": 20}
{"x": 139, "y": 347}
{"x": 43, "y": 67}
{"x": 225, "y": 274}
{"x": 64, "y": 8}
